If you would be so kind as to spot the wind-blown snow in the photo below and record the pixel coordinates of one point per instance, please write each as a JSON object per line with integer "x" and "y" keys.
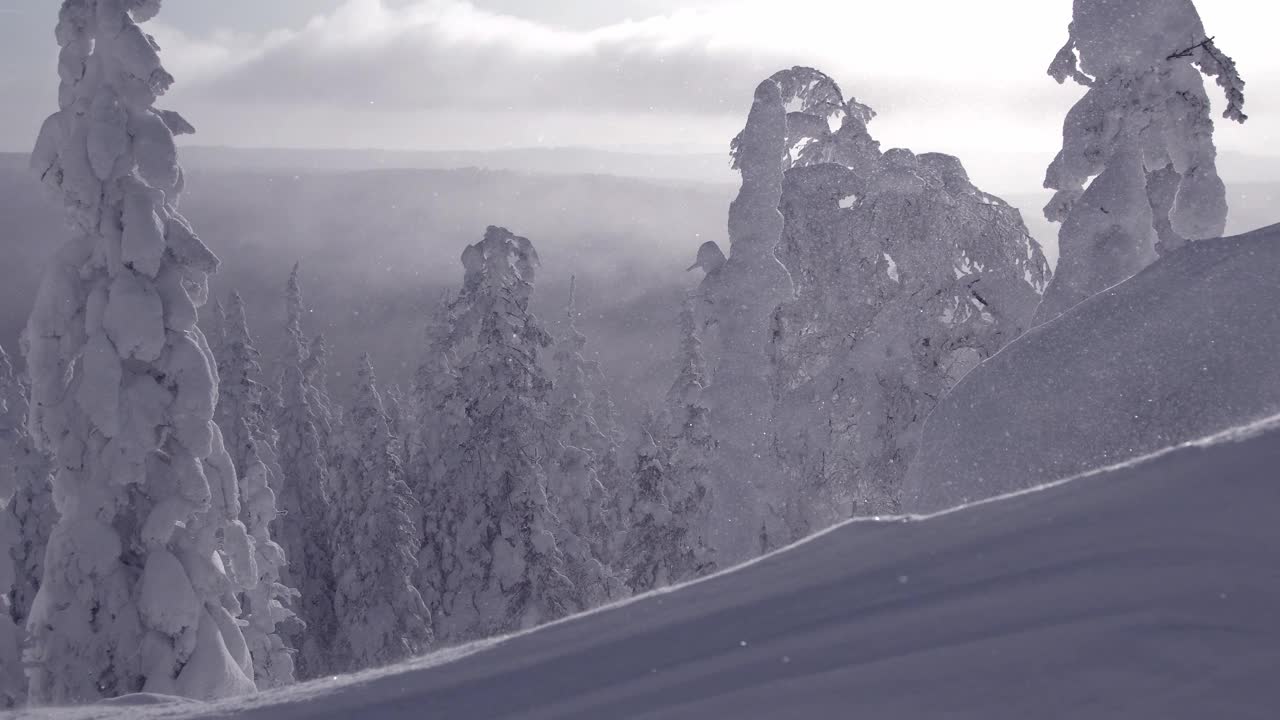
{"x": 1120, "y": 594}
{"x": 1184, "y": 349}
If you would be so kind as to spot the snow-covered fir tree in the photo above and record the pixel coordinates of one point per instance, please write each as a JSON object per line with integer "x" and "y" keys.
{"x": 1144, "y": 134}
{"x": 586, "y": 530}
{"x": 691, "y": 444}
{"x": 328, "y": 412}
{"x": 27, "y": 474}
{"x": 268, "y": 602}
{"x": 501, "y": 567}
{"x": 905, "y": 274}
{"x": 435, "y": 460}
{"x": 663, "y": 545}
{"x": 742, "y": 294}
{"x": 399, "y": 422}
{"x": 25, "y": 522}
{"x": 242, "y": 406}
{"x": 381, "y": 617}
{"x": 304, "y": 530}
{"x": 27, "y": 517}
{"x": 133, "y": 597}
{"x": 13, "y": 683}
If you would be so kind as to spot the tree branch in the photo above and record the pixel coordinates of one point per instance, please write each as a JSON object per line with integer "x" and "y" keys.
{"x": 1188, "y": 52}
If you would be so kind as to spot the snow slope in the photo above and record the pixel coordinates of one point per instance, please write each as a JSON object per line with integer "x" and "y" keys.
{"x": 1186, "y": 348}
{"x": 1146, "y": 591}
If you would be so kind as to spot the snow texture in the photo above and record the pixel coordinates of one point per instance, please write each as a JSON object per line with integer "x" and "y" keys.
{"x": 1121, "y": 594}
{"x": 1184, "y": 349}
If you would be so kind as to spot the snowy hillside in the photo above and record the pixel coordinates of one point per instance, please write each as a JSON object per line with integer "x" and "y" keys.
{"x": 1185, "y": 349}
{"x": 1119, "y": 595}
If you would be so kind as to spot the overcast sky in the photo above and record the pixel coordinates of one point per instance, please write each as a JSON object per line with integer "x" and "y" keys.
{"x": 964, "y": 77}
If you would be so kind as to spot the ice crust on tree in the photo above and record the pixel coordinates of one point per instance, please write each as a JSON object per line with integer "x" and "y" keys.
{"x": 380, "y": 615}
{"x": 1143, "y": 134}
{"x": 743, "y": 293}
{"x": 903, "y": 277}
{"x": 123, "y": 391}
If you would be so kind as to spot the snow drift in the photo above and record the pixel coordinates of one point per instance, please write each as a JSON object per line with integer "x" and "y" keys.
{"x": 1184, "y": 349}
{"x": 1121, "y": 594}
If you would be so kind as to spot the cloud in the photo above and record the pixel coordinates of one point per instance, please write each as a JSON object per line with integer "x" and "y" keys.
{"x": 452, "y": 55}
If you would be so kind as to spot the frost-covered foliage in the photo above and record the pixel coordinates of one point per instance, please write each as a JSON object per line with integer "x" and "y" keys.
{"x": 440, "y": 421}
{"x": 499, "y": 567}
{"x": 904, "y": 277}
{"x": 742, "y": 293}
{"x": 578, "y": 498}
{"x": 268, "y": 601}
{"x": 25, "y": 476}
{"x": 399, "y": 423}
{"x": 15, "y": 454}
{"x": 242, "y": 406}
{"x": 134, "y": 596}
{"x": 1144, "y": 134}
{"x": 665, "y": 518}
{"x": 304, "y": 497}
{"x": 328, "y": 413}
{"x": 13, "y": 683}
{"x": 381, "y": 617}
{"x": 692, "y": 446}
{"x": 25, "y": 523}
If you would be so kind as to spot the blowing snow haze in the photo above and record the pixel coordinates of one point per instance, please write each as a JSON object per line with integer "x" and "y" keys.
{"x": 352, "y": 361}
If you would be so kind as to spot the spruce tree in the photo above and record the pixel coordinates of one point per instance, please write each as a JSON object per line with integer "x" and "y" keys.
{"x": 504, "y": 568}
{"x": 304, "y": 498}
{"x": 381, "y": 617}
{"x": 579, "y": 499}
{"x": 123, "y": 392}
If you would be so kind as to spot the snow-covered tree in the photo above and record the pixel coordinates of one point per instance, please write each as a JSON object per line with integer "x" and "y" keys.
{"x": 579, "y": 499}
{"x": 664, "y": 536}
{"x": 242, "y": 406}
{"x": 25, "y": 524}
{"x": 435, "y": 464}
{"x": 13, "y": 683}
{"x": 381, "y": 616}
{"x": 904, "y": 275}
{"x": 742, "y": 293}
{"x": 1144, "y": 133}
{"x": 27, "y": 473}
{"x": 399, "y": 422}
{"x": 692, "y": 445}
{"x": 268, "y": 602}
{"x": 304, "y": 498}
{"x": 123, "y": 391}
{"x": 501, "y": 568}
{"x": 328, "y": 413}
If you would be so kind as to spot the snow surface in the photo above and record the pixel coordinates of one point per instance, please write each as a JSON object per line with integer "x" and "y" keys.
{"x": 1144, "y": 591}
{"x": 1184, "y": 349}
